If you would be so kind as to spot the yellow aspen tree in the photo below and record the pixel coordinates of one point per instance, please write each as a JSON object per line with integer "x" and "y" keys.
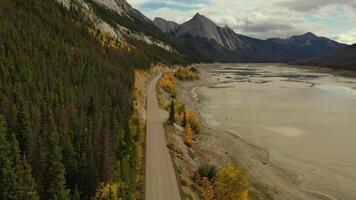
{"x": 231, "y": 183}
{"x": 188, "y": 135}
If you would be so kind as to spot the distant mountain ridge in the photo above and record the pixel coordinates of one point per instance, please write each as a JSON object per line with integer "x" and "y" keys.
{"x": 342, "y": 59}
{"x": 229, "y": 46}
{"x": 199, "y": 39}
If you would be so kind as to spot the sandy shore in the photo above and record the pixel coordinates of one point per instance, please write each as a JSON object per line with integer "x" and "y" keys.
{"x": 220, "y": 147}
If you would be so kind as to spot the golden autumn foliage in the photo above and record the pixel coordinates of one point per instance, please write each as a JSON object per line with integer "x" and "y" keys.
{"x": 108, "y": 40}
{"x": 108, "y": 191}
{"x": 190, "y": 74}
{"x": 178, "y": 105}
{"x": 207, "y": 188}
{"x": 194, "y": 120}
{"x": 139, "y": 87}
{"x": 188, "y": 135}
{"x": 168, "y": 83}
{"x": 231, "y": 183}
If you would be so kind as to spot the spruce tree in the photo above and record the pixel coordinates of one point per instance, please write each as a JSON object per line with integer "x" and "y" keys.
{"x": 184, "y": 124}
{"x": 76, "y": 194}
{"x": 52, "y": 182}
{"x": 7, "y": 174}
{"x": 70, "y": 161}
{"x": 16, "y": 182}
{"x": 172, "y": 113}
{"x": 22, "y": 129}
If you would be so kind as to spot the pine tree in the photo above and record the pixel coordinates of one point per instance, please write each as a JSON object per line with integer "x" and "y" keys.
{"x": 27, "y": 185}
{"x": 184, "y": 123}
{"x": 16, "y": 182}
{"x": 7, "y": 174}
{"x": 70, "y": 162}
{"x": 76, "y": 194}
{"x": 172, "y": 113}
{"x": 52, "y": 182}
{"x": 22, "y": 129}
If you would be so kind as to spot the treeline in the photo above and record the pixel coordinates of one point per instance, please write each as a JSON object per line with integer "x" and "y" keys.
{"x": 65, "y": 104}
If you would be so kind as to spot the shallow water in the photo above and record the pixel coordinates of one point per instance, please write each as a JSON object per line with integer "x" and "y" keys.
{"x": 307, "y": 120}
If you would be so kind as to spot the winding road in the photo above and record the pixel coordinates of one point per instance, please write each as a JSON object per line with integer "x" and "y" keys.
{"x": 161, "y": 181}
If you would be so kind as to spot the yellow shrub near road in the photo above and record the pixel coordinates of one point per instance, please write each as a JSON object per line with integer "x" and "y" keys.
{"x": 190, "y": 74}
{"x": 168, "y": 83}
{"x": 231, "y": 183}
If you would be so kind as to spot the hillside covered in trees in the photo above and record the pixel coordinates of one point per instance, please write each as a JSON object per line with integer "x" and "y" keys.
{"x": 65, "y": 105}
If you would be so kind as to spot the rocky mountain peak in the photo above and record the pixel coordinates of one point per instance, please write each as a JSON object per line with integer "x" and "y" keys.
{"x": 165, "y": 26}
{"x": 309, "y": 35}
{"x": 200, "y": 26}
{"x": 198, "y": 18}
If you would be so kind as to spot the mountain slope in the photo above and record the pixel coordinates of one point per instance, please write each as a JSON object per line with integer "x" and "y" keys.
{"x": 66, "y": 97}
{"x": 119, "y": 19}
{"x": 227, "y": 46}
{"x": 342, "y": 59}
{"x": 123, "y": 9}
{"x": 309, "y": 45}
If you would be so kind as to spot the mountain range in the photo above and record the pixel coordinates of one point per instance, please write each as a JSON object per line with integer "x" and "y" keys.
{"x": 223, "y": 44}
{"x": 199, "y": 39}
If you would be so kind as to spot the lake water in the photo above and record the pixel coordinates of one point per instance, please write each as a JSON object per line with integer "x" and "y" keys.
{"x": 307, "y": 120}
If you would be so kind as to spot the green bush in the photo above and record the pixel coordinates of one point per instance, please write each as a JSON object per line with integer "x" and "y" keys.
{"x": 208, "y": 171}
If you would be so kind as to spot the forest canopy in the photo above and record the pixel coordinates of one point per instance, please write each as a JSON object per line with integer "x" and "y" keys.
{"x": 65, "y": 103}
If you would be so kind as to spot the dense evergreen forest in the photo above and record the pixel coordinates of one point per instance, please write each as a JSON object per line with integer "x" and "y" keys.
{"x": 64, "y": 104}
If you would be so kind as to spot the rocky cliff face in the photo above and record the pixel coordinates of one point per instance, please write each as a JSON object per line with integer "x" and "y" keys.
{"x": 119, "y": 19}
{"x": 123, "y": 9}
{"x": 165, "y": 26}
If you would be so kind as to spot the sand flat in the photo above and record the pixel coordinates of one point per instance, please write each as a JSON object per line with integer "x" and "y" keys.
{"x": 304, "y": 118}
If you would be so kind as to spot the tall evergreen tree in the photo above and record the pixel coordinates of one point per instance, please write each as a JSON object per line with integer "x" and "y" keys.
{"x": 70, "y": 161}
{"x": 52, "y": 181}
{"x": 7, "y": 174}
{"x": 184, "y": 124}
{"x": 172, "y": 113}
{"x": 16, "y": 182}
{"x": 22, "y": 129}
{"x": 76, "y": 194}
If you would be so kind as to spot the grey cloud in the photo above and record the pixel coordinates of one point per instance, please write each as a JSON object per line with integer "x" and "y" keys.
{"x": 265, "y": 27}
{"x": 265, "y": 30}
{"x": 312, "y": 5}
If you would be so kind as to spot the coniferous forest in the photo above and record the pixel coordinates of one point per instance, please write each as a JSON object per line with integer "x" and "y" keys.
{"x": 65, "y": 104}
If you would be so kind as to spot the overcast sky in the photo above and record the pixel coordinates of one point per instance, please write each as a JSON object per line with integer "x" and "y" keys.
{"x": 335, "y": 19}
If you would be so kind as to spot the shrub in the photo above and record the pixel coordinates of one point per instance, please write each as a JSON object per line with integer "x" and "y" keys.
{"x": 168, "y": 83}
{"x": 109, "y": 191}
{"x": 231, "y": 183}
{"x": 194, "y": 120}
{"x": 187, "y": 74}
{"x": 208, "y": 171}
{"x": 207, "y": 188}
{"x": 188, "y": 135}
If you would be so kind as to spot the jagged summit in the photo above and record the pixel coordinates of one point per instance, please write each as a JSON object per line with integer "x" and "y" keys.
{"x": 165, "y": 26}
{"x": 200, "y": 26}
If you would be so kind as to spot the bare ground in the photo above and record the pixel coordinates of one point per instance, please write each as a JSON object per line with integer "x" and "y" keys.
{"x": 218, "y": 147}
